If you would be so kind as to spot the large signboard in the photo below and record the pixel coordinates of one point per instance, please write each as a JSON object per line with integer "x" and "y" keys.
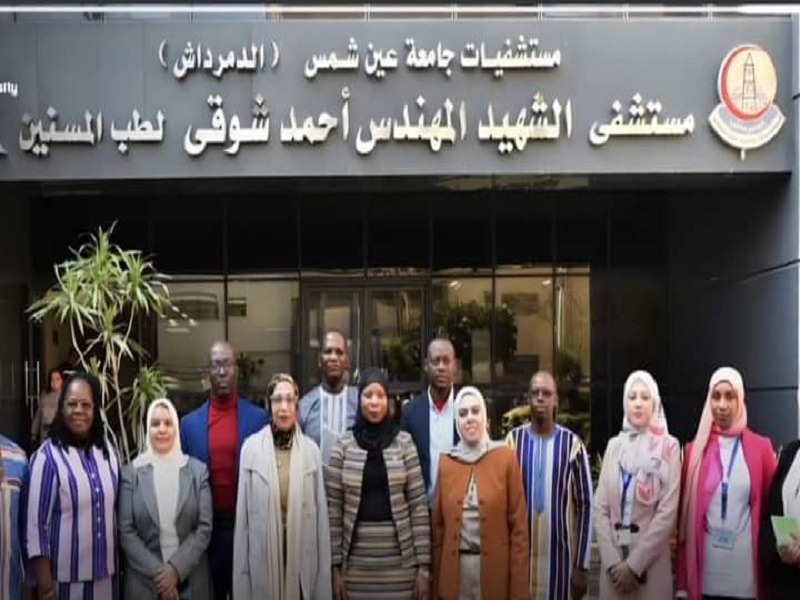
{"x": 433, "y": 97}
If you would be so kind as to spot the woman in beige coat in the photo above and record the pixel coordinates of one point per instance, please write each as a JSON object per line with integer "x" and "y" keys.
{"x": 636, "y": 503}
{"x": 281, "y": 542}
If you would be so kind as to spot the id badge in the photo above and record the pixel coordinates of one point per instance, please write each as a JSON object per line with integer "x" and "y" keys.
{"x": 722, "y": 538}
{"x": 623, "y": 537}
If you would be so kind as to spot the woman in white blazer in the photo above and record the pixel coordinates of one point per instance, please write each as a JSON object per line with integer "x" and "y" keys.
{"x": 281, "y": 547}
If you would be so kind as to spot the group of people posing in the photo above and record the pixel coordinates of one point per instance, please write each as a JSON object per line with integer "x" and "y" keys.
{"x": 328, "y": 497}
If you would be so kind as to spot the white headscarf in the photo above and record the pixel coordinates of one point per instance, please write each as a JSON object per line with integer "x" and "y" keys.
{"x": 166, "y": 477}
{"x": 151, "y": 457}
{"x": 642, "y": 450}
{"x": 463, "y": 451}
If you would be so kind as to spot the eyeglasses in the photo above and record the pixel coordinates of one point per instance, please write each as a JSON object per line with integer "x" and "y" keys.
{"x": 220, "y": 366}
{"x": 288, "y": 399}
{"x": 545, "y": 393}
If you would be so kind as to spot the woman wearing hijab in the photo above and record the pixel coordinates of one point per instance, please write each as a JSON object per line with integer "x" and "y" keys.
{"x": 479, "y": 514}
{"x": 781, "y": 563}
{"x": 636, "y": 502}
{"x": 165, "y": 516}
{"x": 281, "y": 544}
{"x": 380, "y": 525}
{"x": 727, "y": 471}
{"x": 71, "y": 533}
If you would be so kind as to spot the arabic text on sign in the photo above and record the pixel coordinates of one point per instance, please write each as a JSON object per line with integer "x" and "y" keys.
{"x": 643, "y": 121}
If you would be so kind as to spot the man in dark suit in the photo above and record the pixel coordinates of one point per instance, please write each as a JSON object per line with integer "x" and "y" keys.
{"x": 429, "y": 418}
{"x": 214, "y": 434}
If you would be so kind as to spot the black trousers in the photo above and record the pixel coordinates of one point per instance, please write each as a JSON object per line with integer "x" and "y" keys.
{"x": 220, "y": 557}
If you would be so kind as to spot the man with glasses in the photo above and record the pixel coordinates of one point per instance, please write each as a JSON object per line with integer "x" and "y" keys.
{"x": 328, "y": 410}
{"x": 214, "y": 434}
{"x": 558, "y": 490}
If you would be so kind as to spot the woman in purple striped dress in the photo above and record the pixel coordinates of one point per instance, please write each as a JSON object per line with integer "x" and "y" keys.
{"x": 71, "y": 531}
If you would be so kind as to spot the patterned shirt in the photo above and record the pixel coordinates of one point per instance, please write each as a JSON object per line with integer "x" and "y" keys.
{"x": 558, "y": 491}
{"x": 12, "y": 515}
{"x": 71, "y": 517}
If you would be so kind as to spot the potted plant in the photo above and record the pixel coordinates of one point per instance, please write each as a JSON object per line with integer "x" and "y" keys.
{"x": 101, "y": 292}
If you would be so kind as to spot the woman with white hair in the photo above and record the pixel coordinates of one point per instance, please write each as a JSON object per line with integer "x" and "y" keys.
{"x": 165, "y": 516}
{"x": 636, "y": 503}
{"x": 479, "y": 514}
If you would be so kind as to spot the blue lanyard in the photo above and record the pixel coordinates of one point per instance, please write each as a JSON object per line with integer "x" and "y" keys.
{"x": 726, "y": 480}
{"x": 626, "y": 483}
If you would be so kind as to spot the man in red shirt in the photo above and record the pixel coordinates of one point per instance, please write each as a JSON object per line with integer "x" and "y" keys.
{"x": 214, "y": 434}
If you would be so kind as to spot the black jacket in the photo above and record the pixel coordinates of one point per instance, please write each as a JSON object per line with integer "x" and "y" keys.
{"x": 783, "y": 582}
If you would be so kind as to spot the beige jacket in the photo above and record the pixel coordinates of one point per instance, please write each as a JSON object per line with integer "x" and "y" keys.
{"x": 650, "y": 550}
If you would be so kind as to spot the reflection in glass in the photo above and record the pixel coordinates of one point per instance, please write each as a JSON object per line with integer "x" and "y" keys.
{"x": 462, "y": 237}
{"x": 329, "y": 309}
{"x": 262, "y": 328}
{"x": 186, "y": 334}
{"x": 524, "y": 329}
{"x": 396, "y": 336}
{"x": 573, "y": 351}
{"x": 332, "y": 237}
{"x": 462, "y": 311}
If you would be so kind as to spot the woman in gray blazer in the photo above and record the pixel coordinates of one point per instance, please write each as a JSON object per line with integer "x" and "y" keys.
{"x": 165, "y": 516}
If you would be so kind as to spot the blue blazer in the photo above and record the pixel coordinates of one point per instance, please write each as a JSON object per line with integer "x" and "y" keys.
{"x": 194, "y": 428}
{"x": 417, "y": 421}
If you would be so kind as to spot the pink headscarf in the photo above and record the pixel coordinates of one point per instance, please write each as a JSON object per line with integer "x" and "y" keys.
{"x": 705, "y": 465}
{"x": 642, "y": 452}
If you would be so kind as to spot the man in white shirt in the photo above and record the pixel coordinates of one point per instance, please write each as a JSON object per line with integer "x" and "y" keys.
{"x": 329, "y": 409}
{"x": 429, "y": 417}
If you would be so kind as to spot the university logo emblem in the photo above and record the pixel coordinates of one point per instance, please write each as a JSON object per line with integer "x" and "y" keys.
{"x": 746, "y": 118}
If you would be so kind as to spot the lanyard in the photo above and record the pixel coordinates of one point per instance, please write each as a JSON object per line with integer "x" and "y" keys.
{"x": 626, "y": 483}
{"x": 726, "y": 479}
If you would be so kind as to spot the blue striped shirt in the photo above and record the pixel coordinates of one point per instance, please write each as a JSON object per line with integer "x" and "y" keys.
{"x": 71, "y": 518}
{"x": 12, "y": 513}
{"x": 561, "y": 531}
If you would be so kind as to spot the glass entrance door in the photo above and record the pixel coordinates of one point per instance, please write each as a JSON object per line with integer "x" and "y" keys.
{"x": 385, "y": 325}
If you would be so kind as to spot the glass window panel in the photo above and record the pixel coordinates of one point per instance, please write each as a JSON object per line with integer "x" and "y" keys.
{"x": 333, "y": 237}
{"x": 573, "y": 366}
{"x": 581, "y": 238}
{"x": 189, "y": 235}
{"x": 185, "y": 336}
{"x": 327, "y": 309}
{"x": 462, "y": 235}
{"x": 523, "y": 337}
{"x": 524, "y": 237}
{"x": 262, "y": 235}
{"x": 69, "y": 220}
{"x": 462, "y": 311}
{"x": 262, "y": 328}
{"x": 398, "y": 238}
{"x": 395, "y": 336}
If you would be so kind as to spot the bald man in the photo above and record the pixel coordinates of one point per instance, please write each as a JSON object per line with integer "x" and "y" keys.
{"x": 214, "y": 434}
{"x": 558, "y": 491}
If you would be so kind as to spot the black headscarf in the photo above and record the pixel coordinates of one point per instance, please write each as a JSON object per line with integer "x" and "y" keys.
{"x": 373, "y": 437}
